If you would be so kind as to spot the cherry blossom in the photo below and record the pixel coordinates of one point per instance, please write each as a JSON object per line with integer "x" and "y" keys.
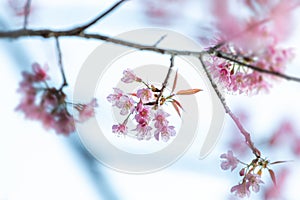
{"x": 144, "y": 94}
{"x": 115, "y": 97}
{"x": 160, "y": 118}
{"x": 48, "y": 104}
{"x": 130, "y": 77}
{"x": 241, "y": 190}
{"x": 252, "y": 39}
{"x": 86, "y": 111}
{"x": 126, "y": 104}
{"x": 143, "y": 130}
{"x": 253, "y": 180}
{"x": 230, "y": 161}
{"x": 143, "y": 113}
{"x": 165, "y": 132}
{"x": 144, "y": 106}
{"x": 121, "y": 129}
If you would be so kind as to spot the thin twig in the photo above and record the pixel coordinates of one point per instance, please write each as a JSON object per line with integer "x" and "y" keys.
{"x": 237, "y": 122}
{"x": 26, "y": 11}
{"x": 160, "y": 39}
{"x": 101, "y": 16}
{"x": 164, "y": 85}
{"x": 61, "y": 67}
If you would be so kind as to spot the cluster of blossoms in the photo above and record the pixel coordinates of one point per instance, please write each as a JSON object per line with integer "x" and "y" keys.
{"x": 146, "y": 107}
{"x": 251, "y": 173}
{"x": 251, "y": 41}
{"x": 48, "y": 104}
{"x": 241, "y": 79}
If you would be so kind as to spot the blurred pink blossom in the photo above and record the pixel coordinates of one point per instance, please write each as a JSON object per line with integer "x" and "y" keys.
{"x": 115, "y": 97}
{"x": 253, "y": 181}
{"x": 230, "y": 161}
{"x": 86, "y": 111}
{"x": 121, "y": 129}
{"x": 275, "y": 191}
{"x": 241, "y": 190}
{"x": 129, "y": 76}
{"x": 48, "y": 104}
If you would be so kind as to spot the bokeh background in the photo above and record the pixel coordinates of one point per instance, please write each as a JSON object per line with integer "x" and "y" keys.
{"x": 38, "y": 164}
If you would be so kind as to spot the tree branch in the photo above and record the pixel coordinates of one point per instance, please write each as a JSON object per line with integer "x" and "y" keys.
{"x": 101, "y": 16}
{"x": 46, "y": 33}
{"x": 237, "y": 122}
{"x": 164, "y": 85}
{"x": 61, "y": 67}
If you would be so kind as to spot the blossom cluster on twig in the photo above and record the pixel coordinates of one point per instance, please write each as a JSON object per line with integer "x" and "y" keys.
{"x": 146, "y": 104}
{"x": 251, "y": 173}
{"x": 49, "y": 105}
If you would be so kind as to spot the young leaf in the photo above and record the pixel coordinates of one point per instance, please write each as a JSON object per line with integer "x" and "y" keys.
{"x": 279, "y": 162}
{"x": 178, "y": 104}
{"x": 175, "y": 81}
{"x": 176, "y": 108}
{"x": 132, "y": 94}
{"x": 272, "y": 174}
{"x": 188, "y": 92}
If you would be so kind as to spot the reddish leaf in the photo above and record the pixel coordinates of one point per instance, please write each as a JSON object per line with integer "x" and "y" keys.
{"x": 188, "y": 92}
{"x": 175, "y": 81}
{"x": 178, "y": 104}
{"x": 272, "y": 174}
{"x": 279, "y": 162}
{"x": 176, "y": 108}
{"x": 132, "y": 94}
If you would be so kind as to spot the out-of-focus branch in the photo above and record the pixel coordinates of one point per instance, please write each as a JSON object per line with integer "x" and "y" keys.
{"x": 98, "y": 18}
{"x": 237, "y": 122}
{"x": 61, "y": 67}
{"x": 26, "y": 11}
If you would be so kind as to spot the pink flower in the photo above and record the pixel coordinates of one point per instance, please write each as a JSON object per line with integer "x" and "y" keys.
{"x": 238, "y": 82}
{"x": 115, "y": 97}
{"x": 120, "y": 129}
{"x": 64, "y": 123}
{"x": 87, "y": 111}
{"x": 126, "y": 104}
{"x": 229, "y": 162}
{"x": 165, "y": 132}
{"x": 143, "y": 112}
{"x": 160, "y": 118}
{"x": 144, "y": 130}
{"x": 45, "y": 104}
{"x": 241, "y": 190}
{"x": 144, "y": 94}
{"x": 48, "y": 120}
{"x": 253, "y": 180}
{"x": 39, "y": 73}
{"x": 129, "y": 76}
